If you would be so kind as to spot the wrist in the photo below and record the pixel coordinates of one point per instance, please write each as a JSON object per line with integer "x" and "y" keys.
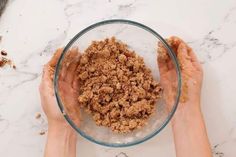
{"x": 187, "y": 112}
{"x": 189, "y": 132}
{"x": 62, "y": 130}
{"x": 61, "y": 140}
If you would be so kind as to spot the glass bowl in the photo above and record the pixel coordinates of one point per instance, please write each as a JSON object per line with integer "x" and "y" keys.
{"x": 143, "y": 40}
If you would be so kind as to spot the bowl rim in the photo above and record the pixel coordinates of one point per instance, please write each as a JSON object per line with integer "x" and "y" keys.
{"x": 172, "y": 55}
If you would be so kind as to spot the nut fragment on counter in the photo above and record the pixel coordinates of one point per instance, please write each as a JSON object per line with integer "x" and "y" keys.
{"x": 3, "y": 53}
{"x": 42, "y": 132}
{"x": 37, "y": 115}
{"x": 5, "y": 61}
{"x": 120, "y": 92}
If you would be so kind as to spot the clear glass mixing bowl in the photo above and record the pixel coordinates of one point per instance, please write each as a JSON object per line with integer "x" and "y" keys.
{"x": 143, "y": 40}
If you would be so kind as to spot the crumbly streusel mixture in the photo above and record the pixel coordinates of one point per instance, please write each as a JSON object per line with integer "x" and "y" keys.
{"x": 115, "y": 86}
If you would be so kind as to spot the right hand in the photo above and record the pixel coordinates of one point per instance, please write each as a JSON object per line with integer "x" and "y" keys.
{"x": 191, "y": 73}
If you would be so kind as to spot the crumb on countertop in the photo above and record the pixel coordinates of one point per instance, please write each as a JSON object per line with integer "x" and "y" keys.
{"x": 42, "y": 132}
{"x": 37, "y": 115}
{"x": 6, "y": 61}
{"x": 3, "y": 53}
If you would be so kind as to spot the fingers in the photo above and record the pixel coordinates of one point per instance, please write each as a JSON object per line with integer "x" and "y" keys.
{"x": 179, "y": 45}
{"x": 185, "y": 56}
{"x": 48, "y": 71}
{"x": 71, "y": 70}
{"x": 162, "y": 64}
{"x": 55, "y": 57}
{"x": 162, "y": 59}
{"x": 194, "y": 59}
{"x": 188, "y": 58}
{"x": 170, "y": 65}
{"x": 46, "y": 81}
{"x": 69, "y": 57}
{"x": 69, "y": 66}
{"x": 184, "y": 59}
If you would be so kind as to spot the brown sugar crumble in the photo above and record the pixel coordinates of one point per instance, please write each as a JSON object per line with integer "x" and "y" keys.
{"x": 115, "y": 86}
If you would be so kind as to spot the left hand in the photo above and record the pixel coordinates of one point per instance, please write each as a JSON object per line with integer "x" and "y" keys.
{"x": 67, "y": 85}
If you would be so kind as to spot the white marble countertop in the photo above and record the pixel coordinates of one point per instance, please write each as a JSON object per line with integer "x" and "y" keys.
{"x": 32, "y": 29}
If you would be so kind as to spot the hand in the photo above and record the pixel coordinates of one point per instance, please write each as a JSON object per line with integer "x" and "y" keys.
{"x": 188, "y": 126}
{"x": 67, "y": 85}
{"x": 61, "y": 139}
{"x": 191, "y": 73}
